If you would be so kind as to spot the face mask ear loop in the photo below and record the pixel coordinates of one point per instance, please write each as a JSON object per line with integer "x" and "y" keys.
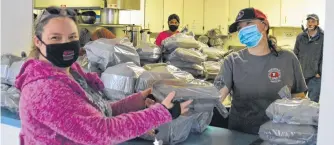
{"x": 39, "y": 50}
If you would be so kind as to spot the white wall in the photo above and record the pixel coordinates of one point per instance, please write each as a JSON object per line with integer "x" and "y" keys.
{"x": 16, "y": 26}
{"x": 326, "y": 123}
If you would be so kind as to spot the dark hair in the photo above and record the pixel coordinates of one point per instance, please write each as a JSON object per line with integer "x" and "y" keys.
{"x": 174, "y": 16}
{"x": 273, "y": 47}
{"x": 44, "y": 18}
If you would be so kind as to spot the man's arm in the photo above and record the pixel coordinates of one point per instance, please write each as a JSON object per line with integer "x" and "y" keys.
{"x": 296, "y": 49}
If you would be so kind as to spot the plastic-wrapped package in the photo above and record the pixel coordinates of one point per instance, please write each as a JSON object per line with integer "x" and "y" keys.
{"x": 201, "y": 122}
{"x": 148, "y": 78}
{"x": 120, "y": 80}
{"x": 179, "y": 40}
{"x": 174, "y": 132}
{"x": 287, "y": 134}
{"x": 149, "y": 52}
{"x": 14, "y": 70}
{"x": 214, "y": 33}
{"x": 4, "y": 87}
{"x": 164, "y": 68}
{"x": 6, "y": 61}
{"x": 214, "y": 54}
{"x": 205, "y": 97}
{"x": 211, "y": 69}
{"x": 187, "y": 55}
{"x": 216, "y": 42}
{"x": 194, "y": 72}
{"x": 10, "y": 99}
{"x": 293, "y": 111}
{"x": 204, "y": 39}
{"x": 184, "y": 64}
{"x": 110, "y": 52}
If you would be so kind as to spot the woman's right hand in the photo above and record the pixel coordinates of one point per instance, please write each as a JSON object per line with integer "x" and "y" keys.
{"x": 167, "y": 102}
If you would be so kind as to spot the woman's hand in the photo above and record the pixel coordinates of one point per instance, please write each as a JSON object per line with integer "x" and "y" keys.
{"x": 169, "y": 105}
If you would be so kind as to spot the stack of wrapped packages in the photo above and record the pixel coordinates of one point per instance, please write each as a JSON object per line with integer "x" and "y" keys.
{"x": 293, "y": 121}
{"x": 120, "y": 80}
{"x": 103, "y": 53}
{"x": 179, "y": 40}
{"x": 10, "y": 68}
{"x": 188, "y": 60}
{"x": 211, "y": 69}
{"x": 164, "y": 79}
{"x": 149, "y": 53}
{"x": 205, "y": 97}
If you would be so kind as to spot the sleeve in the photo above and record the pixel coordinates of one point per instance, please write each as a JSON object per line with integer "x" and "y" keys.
{"x": 225, "y": 75}
{"x": 299, "y": 84}
{"x": 53, "y": 106}
{"x": 296, "y": 49}
{"x": 131, "y": 103}
{"x": 158, "y": 40}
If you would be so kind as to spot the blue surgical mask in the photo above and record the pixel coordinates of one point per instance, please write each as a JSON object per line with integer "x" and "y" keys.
{"x": 250, "y": 36}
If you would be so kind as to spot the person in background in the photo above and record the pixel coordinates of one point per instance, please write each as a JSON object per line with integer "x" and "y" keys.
{"x": 102, "y": 33}
{"x": 254, "y": 75}
{"x": 173, "y": 25}
{"x": 309, "y": 49}
{"x": 61, "y": 104}
{"x": 85, "y": 37}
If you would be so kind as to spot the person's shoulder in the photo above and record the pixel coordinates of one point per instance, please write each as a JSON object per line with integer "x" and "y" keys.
{"x": 235, "y": 55}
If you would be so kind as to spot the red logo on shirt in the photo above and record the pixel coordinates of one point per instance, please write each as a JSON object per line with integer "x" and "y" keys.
{"x": 274, "y": 75}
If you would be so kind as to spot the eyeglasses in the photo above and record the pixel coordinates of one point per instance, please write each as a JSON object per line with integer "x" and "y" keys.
{"x": 56, "y": 11}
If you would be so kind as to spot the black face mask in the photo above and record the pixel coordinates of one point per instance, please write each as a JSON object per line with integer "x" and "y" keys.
{"x": 62, "y": 54}
{"x": 173, "y": 28}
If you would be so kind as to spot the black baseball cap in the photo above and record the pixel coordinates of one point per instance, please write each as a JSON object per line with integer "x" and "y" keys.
{"x": 247, "y": 14}
{"x": 312, "y": 16}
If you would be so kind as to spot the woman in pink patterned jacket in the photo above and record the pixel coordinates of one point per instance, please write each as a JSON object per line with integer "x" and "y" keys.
{"x": 62, "y": 105}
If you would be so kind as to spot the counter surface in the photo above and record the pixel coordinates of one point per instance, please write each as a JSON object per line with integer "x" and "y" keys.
{"x": 212, "y": 136}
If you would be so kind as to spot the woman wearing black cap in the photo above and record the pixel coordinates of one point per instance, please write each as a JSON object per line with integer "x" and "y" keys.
{"x": 173, "y": 25}
{"x": 255, "y": 75}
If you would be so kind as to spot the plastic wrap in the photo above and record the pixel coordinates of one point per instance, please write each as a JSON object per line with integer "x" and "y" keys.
{"x": 109, "y": 52}
{"x": 216, "y": 42}
{"x": 149, "y": 52}
{"x": 174, "y": 132}
{"x": 6, "y": 61}
{"x": 194, "y": 72}
{"x": 187, "y": 55}
{"x": 14, "y": 70}
{"x": 148, "y": 78}
{"x": 179, "y": 40}
{"x": 211, "y": 69}
{"x": 205, "y": 97}
{"x": 183, "y": 64}
{"x": 214, "y": 33}
{"x": 164, "y": 68}
{"x": 120, "y": 80}
{"x": 201, "y": 122}
{"x": 294, "y": 111}
{"x": 10, "y": 99}
{"x": 214, "y": 54}
{"x": 203, "y": 39}
{"x": 288, "y": 134}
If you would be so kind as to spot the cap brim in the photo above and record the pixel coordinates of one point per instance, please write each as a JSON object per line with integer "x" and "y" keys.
{"x": 311, "y": 18}
{"x": 233, "y": 28}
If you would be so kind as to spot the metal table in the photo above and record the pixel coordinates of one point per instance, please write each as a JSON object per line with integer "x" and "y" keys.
{"x": 212, "y": 136}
